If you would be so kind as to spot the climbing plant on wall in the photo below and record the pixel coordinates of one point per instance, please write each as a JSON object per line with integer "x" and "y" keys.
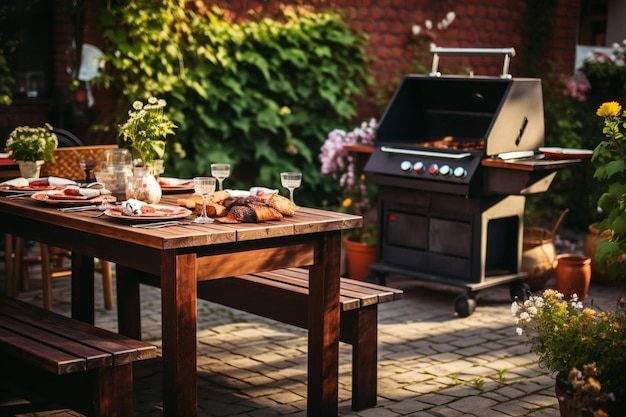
{"x": 261, "y": 95}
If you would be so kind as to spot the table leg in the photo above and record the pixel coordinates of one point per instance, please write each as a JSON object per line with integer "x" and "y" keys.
{"x": 178, "y": 305}
{"x": 128, "y": 302}
{"x": 324, "y": 314}
{"x": 82, "y": 288}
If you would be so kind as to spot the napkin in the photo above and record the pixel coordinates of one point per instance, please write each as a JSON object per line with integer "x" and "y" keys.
{"x": 59, "y": 181}
{"x": 132, "y": 207}
{"x": 16, "y": 182}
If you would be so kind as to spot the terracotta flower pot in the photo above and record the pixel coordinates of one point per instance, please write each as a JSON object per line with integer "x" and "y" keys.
{"x": 591, "y": 245}
{"x": 359, "y": 256}
{"x": 573, "y": 275}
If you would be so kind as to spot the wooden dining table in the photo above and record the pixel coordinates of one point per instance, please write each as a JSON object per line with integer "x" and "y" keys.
{"x": 183, "y": 255}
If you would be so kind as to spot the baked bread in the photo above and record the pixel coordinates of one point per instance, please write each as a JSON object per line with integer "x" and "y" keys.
{"x": 284, "y": 205}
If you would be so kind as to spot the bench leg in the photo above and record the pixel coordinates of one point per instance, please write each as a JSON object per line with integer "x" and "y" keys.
{"x": 362, "y": 325}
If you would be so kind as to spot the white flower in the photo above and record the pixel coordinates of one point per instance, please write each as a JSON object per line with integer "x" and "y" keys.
{"x": 416, "y": 29}
{"x": 519, "y": 331}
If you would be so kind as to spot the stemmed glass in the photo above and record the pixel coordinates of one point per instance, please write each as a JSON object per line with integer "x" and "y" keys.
{"x": 204, "y": 186}
{"x": 221, "y": 172}
{"x": 291, "y": 181}
{"x": 87, "y": 165}
{"x": 103, "y": 178}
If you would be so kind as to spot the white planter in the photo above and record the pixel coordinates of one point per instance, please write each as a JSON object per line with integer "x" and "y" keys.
{"x": 30, "y": 169}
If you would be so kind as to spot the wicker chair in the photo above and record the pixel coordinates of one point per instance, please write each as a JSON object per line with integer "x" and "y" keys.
{"x": 53, "y": 259}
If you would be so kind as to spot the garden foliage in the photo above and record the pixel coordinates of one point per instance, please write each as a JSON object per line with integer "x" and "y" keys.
{"x": 261, "y": 95}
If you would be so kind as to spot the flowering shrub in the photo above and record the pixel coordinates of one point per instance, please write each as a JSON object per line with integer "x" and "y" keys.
{"x": 585, "y": 390}
{"x": 27, "y": 143}
{"x": 611, "y": 156}
{"x": 338, "y": 161}
{"x": 145, "y": 130}
{"x": 599, "y": 64}
{"x": 568, "y": 335}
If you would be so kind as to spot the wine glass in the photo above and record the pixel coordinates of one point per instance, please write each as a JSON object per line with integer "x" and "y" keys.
{"x": 87, "y": 165}
{"x": 104, "y": 178}
{"x": 204, "y": 186}
{"x": 221, "y": 172}
{"x": 291, "y": 181}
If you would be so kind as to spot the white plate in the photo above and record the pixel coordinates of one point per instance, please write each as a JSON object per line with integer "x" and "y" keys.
{"x": 175, "y": 185}
{"x": 566, "y": 153}
{"x": 44, "y": 196}
{"x": 162, "y": 213}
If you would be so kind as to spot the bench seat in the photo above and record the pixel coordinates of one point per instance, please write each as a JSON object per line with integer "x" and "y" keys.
{"x": 71, "y": 362}
{"x": 282, "y": 295}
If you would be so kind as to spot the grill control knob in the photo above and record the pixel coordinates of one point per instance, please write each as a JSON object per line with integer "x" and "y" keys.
{"x": 406, "y": 165}
{"x": 460, "y": 172}
{"x": 419, "y": 167}
{"x": 445, "y": 170}
{"x": 433, "y": 169}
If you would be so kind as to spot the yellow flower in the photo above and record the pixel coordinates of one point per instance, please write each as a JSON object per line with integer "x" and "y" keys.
{"x": 609, "y": 109}
{"x": 347, "y": 202}
{"x": 284, "y": 110}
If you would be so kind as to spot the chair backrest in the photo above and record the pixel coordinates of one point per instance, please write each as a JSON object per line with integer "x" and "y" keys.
{"x": 66, "y": 161}
{"x": 66, "y": 138}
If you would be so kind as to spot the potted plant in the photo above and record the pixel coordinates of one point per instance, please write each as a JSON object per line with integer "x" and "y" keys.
{"x": 610, "y": 157}
{"x": 568, "y": 337}
{"x": 144, "y": 135}
{"x": 606, "y": 72}
{"x": 145, "y": 130}
{"x": 357, "y": 196}
{"x": 31, "y": 147}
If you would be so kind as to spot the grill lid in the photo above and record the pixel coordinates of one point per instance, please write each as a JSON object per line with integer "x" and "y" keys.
{"x": 483, "y": 114}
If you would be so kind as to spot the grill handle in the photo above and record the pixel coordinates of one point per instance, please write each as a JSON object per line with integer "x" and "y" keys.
{"x": 507, "y": 52}
{"x": 445, "y": 155}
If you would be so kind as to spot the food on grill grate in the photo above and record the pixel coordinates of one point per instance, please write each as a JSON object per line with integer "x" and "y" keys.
{"x": 449, "y": 142}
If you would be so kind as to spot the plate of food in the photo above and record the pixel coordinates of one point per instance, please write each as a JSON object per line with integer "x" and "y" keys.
{"x": 148, "y": 212}
{"x": 70, "y": 196}
{"x": 175, "y": 185}
{"x": 566, "y": 153}
{"x": 34, "y": 185}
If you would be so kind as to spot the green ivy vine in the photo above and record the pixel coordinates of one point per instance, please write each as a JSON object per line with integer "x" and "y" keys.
{"x": 260, "y": 95}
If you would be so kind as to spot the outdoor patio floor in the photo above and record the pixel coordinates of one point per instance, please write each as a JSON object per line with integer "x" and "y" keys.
{"x": 431, "y": 363}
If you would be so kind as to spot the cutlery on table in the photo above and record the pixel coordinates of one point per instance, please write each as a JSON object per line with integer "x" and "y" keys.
{"x": 79, "y": 208}
{"x": 158, "y": 225}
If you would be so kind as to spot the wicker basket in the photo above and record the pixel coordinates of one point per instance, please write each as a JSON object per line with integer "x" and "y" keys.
{"x": 66, "y": 161}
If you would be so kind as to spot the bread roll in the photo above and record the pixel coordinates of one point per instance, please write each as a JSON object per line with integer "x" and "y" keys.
{"x": 284, "y": 205}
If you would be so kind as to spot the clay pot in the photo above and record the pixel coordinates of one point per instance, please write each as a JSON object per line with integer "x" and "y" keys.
{"x": 538, "y": 256}
{"x": 573, "y": 275}
{"x": 591, "y": 244}
{"x": 359, "y": 256}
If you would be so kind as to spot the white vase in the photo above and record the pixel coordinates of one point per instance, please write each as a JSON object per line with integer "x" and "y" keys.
{"x": 30, "y": 169}
{"x": 144, "y": 186}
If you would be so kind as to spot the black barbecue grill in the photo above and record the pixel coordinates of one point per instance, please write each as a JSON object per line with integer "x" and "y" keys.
{"x": 453, "y": 158}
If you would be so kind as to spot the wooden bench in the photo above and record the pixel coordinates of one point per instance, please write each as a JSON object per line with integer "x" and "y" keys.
{"x": 282, "y": 295}
{"x": 85, "y": 368}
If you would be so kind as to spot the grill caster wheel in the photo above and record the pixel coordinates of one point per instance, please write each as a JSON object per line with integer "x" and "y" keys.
{"x": 519, "y": 290}
{"x": 465, "y": 304}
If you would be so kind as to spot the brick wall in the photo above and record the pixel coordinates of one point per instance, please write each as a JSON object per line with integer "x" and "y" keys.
{"x": 478, "y": 23}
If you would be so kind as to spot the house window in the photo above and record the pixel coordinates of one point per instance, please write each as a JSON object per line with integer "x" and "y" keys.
{"x": 26, "y": 38}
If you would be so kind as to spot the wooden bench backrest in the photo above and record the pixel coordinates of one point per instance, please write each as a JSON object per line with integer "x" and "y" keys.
{"x": 66, "y": 161}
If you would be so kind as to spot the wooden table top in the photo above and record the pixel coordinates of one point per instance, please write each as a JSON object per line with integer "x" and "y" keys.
{"x": 306, "y": 220}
